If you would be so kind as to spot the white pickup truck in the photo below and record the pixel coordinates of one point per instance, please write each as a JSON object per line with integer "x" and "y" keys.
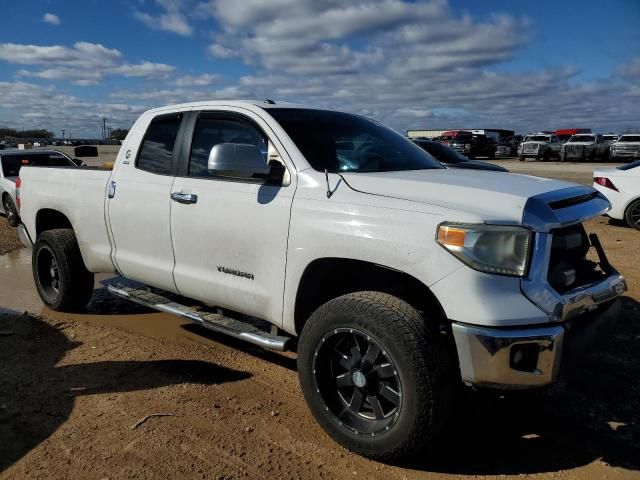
{"x": 397, "y": 279}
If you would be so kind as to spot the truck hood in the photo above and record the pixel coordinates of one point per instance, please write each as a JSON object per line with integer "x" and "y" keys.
{"x": 493, "y": 196}
{"x": 587, "y": 144}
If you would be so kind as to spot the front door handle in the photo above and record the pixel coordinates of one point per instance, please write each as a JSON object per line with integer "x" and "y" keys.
{"x": 184, "y": 197}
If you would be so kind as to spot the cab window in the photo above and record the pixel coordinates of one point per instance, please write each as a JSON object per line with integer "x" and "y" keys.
{"x": 211, "y": 131}
{"x": 156, "y": 152}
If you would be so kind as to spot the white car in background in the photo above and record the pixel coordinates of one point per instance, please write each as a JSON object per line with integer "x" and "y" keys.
{"x": 11, "y": 161}
{"x": 621, "y": 186}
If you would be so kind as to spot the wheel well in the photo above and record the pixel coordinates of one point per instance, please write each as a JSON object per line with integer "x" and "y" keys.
{"x": 48, "y": 219}
{"x": 628, "y": 206}
{"x": 329, "y": 278}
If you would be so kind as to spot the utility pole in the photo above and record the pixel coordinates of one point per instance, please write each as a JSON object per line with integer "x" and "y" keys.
{"x": 104, "y": 128}
{"x": 63, "y": 130}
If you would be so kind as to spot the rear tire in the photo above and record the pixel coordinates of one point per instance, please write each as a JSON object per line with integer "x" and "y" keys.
{"x": 632, "y": 215}
{"x": 521, "y": 158}
{"x": 10, "y": 211}
{"x": 62, "y": 280}
{"x": 382, "y": 405}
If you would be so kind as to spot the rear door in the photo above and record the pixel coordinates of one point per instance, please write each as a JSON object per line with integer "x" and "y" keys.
{"x": 140, "y": 206}
{"x": 230, "y": 238}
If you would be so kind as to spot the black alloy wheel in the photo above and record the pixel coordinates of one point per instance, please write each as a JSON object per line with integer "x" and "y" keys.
{"x": 358, "y": 381}
{"x": 632, "y": 215}
{"x": 48, "y": 272}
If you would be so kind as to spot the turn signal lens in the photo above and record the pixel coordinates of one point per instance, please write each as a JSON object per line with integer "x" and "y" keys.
{"x": 18, "y": 185}
{"x": 451, "y": 236}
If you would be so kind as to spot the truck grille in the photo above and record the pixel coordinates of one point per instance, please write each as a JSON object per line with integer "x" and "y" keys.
{"x": 574, "y": 262}
{"x": 530, "y": 148}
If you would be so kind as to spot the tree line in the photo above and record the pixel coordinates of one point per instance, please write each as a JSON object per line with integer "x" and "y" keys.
{"x": 37, "y": 133}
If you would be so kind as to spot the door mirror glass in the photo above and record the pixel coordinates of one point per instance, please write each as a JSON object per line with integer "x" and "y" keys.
{"x": 242, "y": 160}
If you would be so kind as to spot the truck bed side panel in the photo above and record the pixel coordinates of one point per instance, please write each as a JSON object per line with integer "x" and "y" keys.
{"x": 80, "y": 195}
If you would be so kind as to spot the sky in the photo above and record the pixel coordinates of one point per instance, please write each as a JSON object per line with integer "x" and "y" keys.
{"x": 525, "y": 66}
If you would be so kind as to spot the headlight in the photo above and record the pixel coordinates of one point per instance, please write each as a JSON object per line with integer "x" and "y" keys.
{"x": 503, "y": 250}
{"x": 467, "y": 147}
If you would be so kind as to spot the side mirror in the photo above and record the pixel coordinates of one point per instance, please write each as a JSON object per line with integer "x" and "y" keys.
{"x": 241, "y": 160}
{"x": 276, "y": 173}
{"x": 77, "y": 161}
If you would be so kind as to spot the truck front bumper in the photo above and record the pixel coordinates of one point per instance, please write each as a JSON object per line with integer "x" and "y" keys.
{"x": 521, "y": 358}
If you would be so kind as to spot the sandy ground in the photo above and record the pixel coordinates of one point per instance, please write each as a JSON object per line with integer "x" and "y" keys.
{"x": 74, "y": 387}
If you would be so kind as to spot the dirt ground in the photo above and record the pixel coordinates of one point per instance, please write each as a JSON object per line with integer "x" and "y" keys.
{"x": 74, "y": 389}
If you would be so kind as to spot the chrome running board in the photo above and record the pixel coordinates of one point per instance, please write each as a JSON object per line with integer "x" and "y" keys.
{"x": 209, "y": 320}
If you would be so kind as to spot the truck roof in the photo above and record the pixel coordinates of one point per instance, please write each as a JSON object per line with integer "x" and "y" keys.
{"x": 265, "y": 104}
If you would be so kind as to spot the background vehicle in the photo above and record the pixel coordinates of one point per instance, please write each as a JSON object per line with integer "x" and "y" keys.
{"x": 469, "y": 144}
{"x": 453, "y": 159}
{"x": 626, "y": 148}
{"x": 564, "y": 134}
{"x": 621, "y": 186}
{"x": 339, "y": 231}
{"x": 584, "y": 147}
{"x": 540, "y": 146}
{"x": 11, "y": 161}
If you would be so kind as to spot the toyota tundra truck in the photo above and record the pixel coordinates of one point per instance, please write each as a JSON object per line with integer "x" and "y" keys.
{"x": 396, "y": 279}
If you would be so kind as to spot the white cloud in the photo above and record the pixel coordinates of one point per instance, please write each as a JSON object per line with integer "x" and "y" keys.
{"x": 220, "y": 51}
{"x": 172, "y": 19}
{"x": 197, "y": 80}
{"x": 630, "y": 71}
{"x": 34, "y": 106}
{"x": 51, "y": 18}
{"x": 83, "y": 64}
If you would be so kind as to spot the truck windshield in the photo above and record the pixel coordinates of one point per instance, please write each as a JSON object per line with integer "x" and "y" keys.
{"x": 11, "y": 164}
{"x": 630, "y": 138}
{"x": 582, "y": 138}
{"x": 343, "y": 142}
{"x": 538, "y": 138}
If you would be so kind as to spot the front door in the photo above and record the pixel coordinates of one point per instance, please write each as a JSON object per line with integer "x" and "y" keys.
{"x": 140, "y": 207}
{"x": 230, "y": 233}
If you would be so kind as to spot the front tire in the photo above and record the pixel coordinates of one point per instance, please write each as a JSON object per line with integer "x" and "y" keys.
{"x": 632, "y": 215}
{"x": 62, "y": 280}
{"x": 521, "y": 158}
{"x": 11, "y": 211}
{"x": 376, "y": 374}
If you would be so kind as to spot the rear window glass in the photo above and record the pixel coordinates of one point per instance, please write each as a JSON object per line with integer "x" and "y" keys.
{"x": 156, "y": 153}
{"x": 629, "y": 166}
{"x": 11, "y": 164}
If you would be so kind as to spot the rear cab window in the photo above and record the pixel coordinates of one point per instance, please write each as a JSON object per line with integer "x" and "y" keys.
{"x": 156, "y": 151}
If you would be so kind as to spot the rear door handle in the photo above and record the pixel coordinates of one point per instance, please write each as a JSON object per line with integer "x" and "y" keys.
{"x": 184, "y": 197}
